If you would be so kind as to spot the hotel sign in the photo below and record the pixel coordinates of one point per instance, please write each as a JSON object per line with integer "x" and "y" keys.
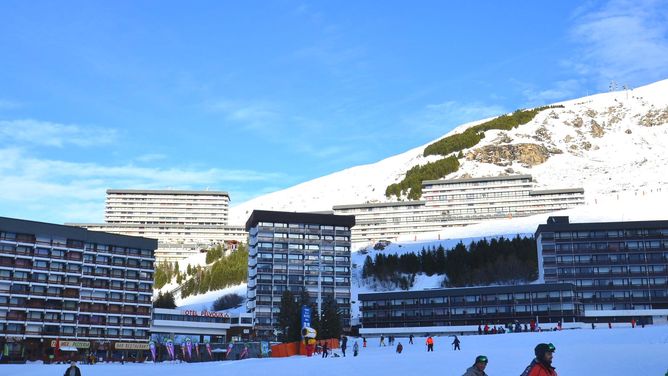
{"x": 130, "y": 346}
{"x": 77, "y": 344}
{"x": 205, "y": 313}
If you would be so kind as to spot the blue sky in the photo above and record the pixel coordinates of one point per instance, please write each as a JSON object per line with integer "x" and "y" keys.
{"x": 254, "y": 96}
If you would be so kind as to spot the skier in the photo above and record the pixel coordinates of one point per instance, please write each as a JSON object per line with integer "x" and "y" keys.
{"x": 455, "y": 343}
{"x": 410, "y": 339}
{"x": 593, "y": 326}
{"x": 400, "y": 348}
{"x": 430, "y": 344}
{"x": 344, "y": 345}
{"x": 382, "y": 340}
{"x": 325, "y": 349}
{"x": 542, "y": 364}
{"x": 478, "y": 368}
{"x": 356, "y": 349}
{"x": 479, "y": 330}
{"x": 609, "y": 325}
{"x": 364, "y": 342}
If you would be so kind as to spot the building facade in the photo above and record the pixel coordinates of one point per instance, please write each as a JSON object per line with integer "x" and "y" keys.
{"x": 183, "y": 221}
{"x": 205, "y": 330}
{"x": 296, "y": 252}
{"x": 91, "y": 290}
{"x": 471, "y": 200}
{"x": 471, "y": 306}
{"x": 457, "y": 202}
{"x": 620, "y": 269}
{"x": 388, "y": 220}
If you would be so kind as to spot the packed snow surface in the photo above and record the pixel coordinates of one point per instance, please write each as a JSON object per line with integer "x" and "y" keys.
{"x": 616, "y": 352}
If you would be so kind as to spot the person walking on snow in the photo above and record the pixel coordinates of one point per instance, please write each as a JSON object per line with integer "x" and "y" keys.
{"x": 542, "y": 364}
{"x": 356, "y": 349}
{"x": 382, "y": 340}
{"x": 344, "y": 345}
{"x": 455, "y": 343}
{"x": 478, "y": 368}
{"x": 430, "y": 344}
{"x": 410, "y": 339}
{"x": 364, "y": 342}
{"x": 325, "y": 352}
{"x": 400, "y": 348}
{"x": 73, "y": 370}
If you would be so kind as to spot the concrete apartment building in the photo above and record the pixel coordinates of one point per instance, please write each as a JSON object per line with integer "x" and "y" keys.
{"x": 457, "y": 202}
{"x": 91, "y": 290}
{"x": 620, "y": 269}
{"x": 182, "y": 221}
{"x": 296, "y": 252}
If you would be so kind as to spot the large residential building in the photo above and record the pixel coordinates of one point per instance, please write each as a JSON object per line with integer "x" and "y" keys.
{"x": 433, "y": 310}
{"x": 388, "y": 220}
{"x": 183, "y": 221}
{"x": 83, "y": 289}
{"x": 620, "y": 269}
{"x": 457, "y": 202}
{"x": 296, "y": 252}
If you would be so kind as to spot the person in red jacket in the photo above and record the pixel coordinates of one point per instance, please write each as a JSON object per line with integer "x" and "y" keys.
{"x": 542, "y": 364}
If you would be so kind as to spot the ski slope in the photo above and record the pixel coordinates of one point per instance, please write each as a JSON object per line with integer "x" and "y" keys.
{"x": 610, "y": 352}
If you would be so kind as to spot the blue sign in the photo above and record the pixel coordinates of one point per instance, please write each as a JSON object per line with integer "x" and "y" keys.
{"x": 306, "y": 316}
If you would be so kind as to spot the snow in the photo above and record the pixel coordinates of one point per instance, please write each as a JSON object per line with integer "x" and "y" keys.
{"x": 616, "y": 352}
{"x": 205, "y": 301}
{"x": 616, "y": 162}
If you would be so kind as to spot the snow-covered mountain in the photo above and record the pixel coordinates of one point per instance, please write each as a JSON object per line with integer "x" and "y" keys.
{"x": 606, "y": 143}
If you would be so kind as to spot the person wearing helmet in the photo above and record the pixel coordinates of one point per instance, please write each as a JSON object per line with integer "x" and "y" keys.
{"x": 478, "y": 368}
{"x": 542, "y": 364}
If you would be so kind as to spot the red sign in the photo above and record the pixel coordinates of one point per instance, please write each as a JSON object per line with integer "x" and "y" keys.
{"x": 205, "y": 313}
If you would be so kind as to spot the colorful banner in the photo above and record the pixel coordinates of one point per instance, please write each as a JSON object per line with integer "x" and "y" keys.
{"x": 189, "y": 348}
{"x": 208, "y": 349}
{"x": 151, "y": 346}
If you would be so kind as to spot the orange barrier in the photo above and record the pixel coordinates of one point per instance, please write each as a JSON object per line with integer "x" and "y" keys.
{"x": 298, "y": 348}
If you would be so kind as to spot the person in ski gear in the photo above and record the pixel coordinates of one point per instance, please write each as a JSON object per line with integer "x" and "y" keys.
{"x": 478, "y": 368}
{"x": 410, "y": 339}
{"x": 430, "y": 344}
{"x": 325, "y": 350}
{"x": 363, "y": 341}
{"x": 344, "y": 345}
{"x": 542, "y": 364}
{"x": 382, "y": 340}
{"x": 73, "y": 370}
{"x": 356, "y": 349}
{"x": 455, "y": 344}
{"x": 479, "y": 330}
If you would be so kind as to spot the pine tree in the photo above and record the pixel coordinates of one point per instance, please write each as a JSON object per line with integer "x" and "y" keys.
{"x": 331, "y": 319}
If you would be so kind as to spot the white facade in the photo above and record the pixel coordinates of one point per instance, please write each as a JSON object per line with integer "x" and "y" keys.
{"x": 389, "y": 220}
{"x": 183, "y": 222}
{"x": 457, "y": 202}
{"x": 199, "y": 208}
{"x": 467, "y": 201}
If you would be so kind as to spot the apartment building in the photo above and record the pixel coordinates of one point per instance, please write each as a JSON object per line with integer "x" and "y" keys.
{"x": 620, "y": 269}
{"x": 435, "y": 309}
{"x": 73, "y": 288}
{"x": 471, "y": 200}
{"x": 183, "y": 221}
{"x": 457, "y": 202}
{"x": 296, "y": 252}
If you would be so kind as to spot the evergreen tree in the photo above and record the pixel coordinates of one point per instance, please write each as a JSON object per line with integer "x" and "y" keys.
{"x": 286, "y": 318}
{"x": 330, "y": 325}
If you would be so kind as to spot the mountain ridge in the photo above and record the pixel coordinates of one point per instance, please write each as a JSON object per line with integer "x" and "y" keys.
{"x": 605, "y": 143}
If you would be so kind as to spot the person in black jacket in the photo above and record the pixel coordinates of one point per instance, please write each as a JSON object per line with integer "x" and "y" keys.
{"x": 73, "y": 370}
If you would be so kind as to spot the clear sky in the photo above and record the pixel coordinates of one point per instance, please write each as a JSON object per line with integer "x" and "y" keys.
{"x": 254, "y": 96}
